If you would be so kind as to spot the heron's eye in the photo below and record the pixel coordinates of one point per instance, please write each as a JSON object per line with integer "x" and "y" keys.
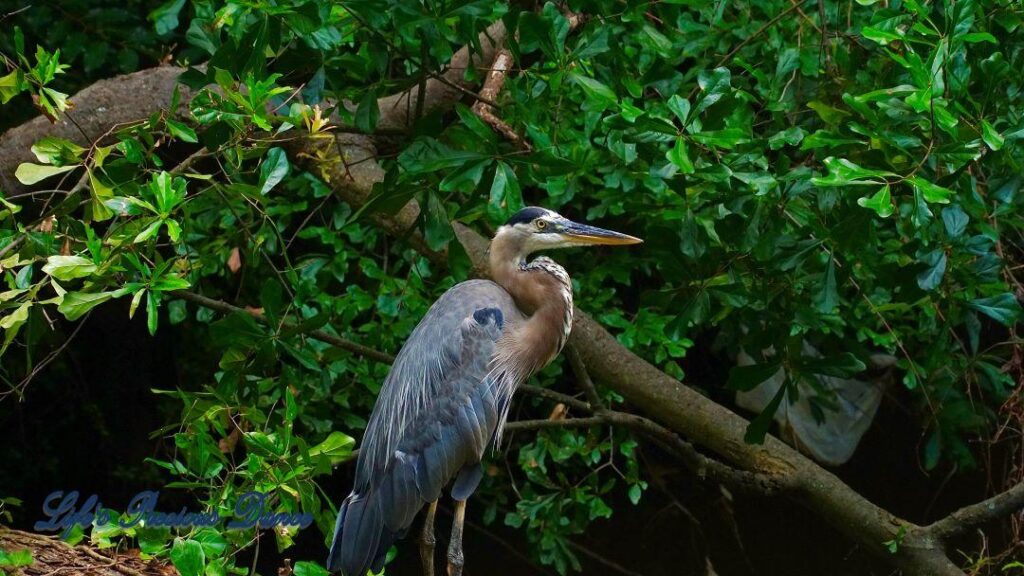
{"x": 541, "y": 224}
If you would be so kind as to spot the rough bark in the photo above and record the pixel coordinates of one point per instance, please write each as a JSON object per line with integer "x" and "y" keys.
{"x": 98, "y": 108}
{"x": 50, "y": 556}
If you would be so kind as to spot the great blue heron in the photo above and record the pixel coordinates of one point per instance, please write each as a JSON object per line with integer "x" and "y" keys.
{"x": 448, "y": 393}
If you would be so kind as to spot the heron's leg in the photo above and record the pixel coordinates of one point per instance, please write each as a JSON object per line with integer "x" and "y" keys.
{"x": 427, "y": 541}
{"x": 455, "y": 559}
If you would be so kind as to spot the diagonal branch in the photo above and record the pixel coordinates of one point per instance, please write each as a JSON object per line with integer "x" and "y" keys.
{"x": 583, "y": 377}
{"x": 970, "y": 517}
{"x": 327, "y": 338}
{"x": 492, "y": 86}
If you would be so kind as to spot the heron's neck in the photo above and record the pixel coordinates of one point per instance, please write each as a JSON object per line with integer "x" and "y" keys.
{"x": 542, "y": 290}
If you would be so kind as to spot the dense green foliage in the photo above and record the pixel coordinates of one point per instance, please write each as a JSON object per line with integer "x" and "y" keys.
{"x": 847, "y": 174}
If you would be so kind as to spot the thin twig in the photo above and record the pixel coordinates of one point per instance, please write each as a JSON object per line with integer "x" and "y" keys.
{"x": 320, "y": 335}
{"x": 583, "y": 377}
{"x": 556, "y": 397}
{"x": 759, "y": 31}
{"x": 13, "y": 245}
{"x": 15, "y": 13}
{"x": 699, "y": 464}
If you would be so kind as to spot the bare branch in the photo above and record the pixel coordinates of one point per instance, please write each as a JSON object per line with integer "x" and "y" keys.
{"x": 583, "y": 377}
{"x": 320, "y": 335}
{"x": 970, "y": 517}
{"x": 556, "y": 397}
{"x": 702, "y": 466}
{"x": 492, "y": 86}
{"x": 563, "y": 423}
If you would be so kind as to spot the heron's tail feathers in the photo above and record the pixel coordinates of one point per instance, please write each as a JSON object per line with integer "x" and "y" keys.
{"x": 361, "y": 541}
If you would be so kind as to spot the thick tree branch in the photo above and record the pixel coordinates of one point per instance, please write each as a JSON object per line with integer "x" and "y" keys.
{"x": 440, "y": 91}
{"x": 98, "y": 108}
{"x": 492, "y": 86}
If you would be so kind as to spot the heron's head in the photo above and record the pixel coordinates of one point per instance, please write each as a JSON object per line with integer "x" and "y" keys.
{"x": 533, "y": 229}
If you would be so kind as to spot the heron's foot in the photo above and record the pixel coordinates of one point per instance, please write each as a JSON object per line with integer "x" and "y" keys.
{"x": 455, "y": 561}
{"x": 427, "y": 541}
{"x": 455, "y": 557}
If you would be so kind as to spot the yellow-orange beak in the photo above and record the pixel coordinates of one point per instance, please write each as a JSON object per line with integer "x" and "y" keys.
{"x": 584, "y": 234}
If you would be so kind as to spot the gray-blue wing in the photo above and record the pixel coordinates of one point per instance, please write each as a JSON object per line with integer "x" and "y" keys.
{"x": 433, "y": 420}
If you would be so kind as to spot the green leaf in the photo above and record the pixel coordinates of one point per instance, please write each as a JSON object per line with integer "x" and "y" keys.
{"x": 238, "y": 329}
{"x": 152, "y": 311}
{"x": 77, "y": 304}
{"x": 955, "y": 220}
{"x": 931, "y": 277}
{"x": 136, "y": 299}
{"x": 595, "y": 89}
{"x": 149, "y": 231}
{"x": 438, "y": 229}
{"x": 880, "y": 202}
{"x": 165, "y": 17}
{"x": 828, "y": 296}
{"x": 725, "y": 138}
{"x": 830, "y": 114}
{"x": 29, "y": 174}
{"x": 15, "y": 558}
{"x": 932, "y": 193}
{"x": 430, "y": 155}
{"x": 367, "y": 113}
{"x": 307, "y": 568}
{"x": 714, "y": 84}
{"x": 214, "y": 544}
{"x": 274, "y": 169}
{"x": 826, "y": 139}
{"x": 188, "y": 557}
{"x": 678, "y": 156}
{"x": 791, "y": 136}
{"x": 845, "y": 365}
{"x": 16, "y": 318}
{"x": 100, "y": 194}
{"x": 337, "y": 446}
{"x": 842, "y": 172}
{"x": 758, "y": 427}
{"x": 11, "y": 85}
{"x": 680, "y": 107}
{"x": 505, "y": 197}
{"x": 975, "y": 37}
{"x": 634, "y": 494}
{"x": 181, "y": 131}
{"x": 746, "y": 378}
{"x": 68, "y": 267}
{"x": 1003, "y": 308}
{"x": 992, "y": 138}
{"x": 53, "y": 150}
{"x": 883, "y": 37}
